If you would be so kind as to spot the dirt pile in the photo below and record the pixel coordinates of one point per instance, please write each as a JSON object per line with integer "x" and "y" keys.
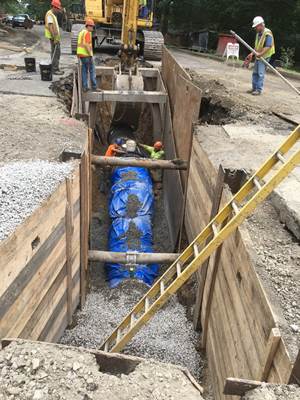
{"x": 63, "y": 88}
{"x": 274, "y": 392}
{"x": 49, "y": 372}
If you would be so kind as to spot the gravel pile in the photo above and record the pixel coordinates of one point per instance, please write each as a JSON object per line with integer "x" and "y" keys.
{"x": 274, "y": 392}
{"x": 23, "y": 187}
{"x": 169, "y": 336}
{"x": 48, "y": 372}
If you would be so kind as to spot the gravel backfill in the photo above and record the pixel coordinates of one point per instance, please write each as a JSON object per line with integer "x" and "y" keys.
{"x": 43, "y": 371}
{"x": 169, "y": 336}
{"x": 23, "y": 187}
{"x": 274, "y": 392}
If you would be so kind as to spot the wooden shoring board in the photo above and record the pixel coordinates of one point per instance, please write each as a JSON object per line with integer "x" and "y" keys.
{"x": 35, "y": 272}
{"x": 201, "y": 274}
{"x": 241, "y": 317}
{"x": 295, "y": 374}
{"x": 270, "y": 352}
{"x": 173, "y": 193}
{"x": 186, "y": 112}
{"x": 127, "y": 96}
{"x": 69, "y": 219}
{"x": 170, "y": 71}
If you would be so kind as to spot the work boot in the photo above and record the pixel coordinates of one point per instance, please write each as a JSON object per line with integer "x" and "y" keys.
{"x": 250, "y": 91}
{"x": 58, "y": 72}
{"x": 256, "y": 93}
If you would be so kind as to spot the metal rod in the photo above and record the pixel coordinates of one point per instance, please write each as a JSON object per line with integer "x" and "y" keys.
{"x": 138, "y": 162}
{"x": 122, "y": 258}
{"x": 265, "y": 62}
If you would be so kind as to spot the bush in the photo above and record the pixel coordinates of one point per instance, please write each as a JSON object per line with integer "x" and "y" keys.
{"x": 287, "y": 57}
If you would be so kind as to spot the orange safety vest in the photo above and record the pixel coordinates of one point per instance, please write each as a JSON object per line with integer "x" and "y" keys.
{"x": 82, "y": 40}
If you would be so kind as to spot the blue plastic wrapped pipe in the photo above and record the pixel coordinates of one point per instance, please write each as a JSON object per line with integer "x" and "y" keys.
{"x": 131, "y": 208}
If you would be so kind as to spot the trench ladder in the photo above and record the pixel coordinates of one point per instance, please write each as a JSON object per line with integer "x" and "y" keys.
{"x": 242, "y": 204}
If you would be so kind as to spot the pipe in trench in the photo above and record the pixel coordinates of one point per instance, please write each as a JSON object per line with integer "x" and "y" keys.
{"x": 131, "y": 257}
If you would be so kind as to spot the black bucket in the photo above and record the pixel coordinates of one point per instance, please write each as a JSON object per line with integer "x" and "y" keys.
{"x": 30, "y": 65}
{"x": 46, "y": 71}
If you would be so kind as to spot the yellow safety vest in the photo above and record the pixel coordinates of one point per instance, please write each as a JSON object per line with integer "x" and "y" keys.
{"x": 48, "y": 34}
{"x": 81, "y": 50}
{"x": 259, "y": 43}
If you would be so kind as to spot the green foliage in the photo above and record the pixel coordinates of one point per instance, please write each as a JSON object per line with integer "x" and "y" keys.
{"x": 287, "y": 57}
{"x": 282, "y": 16}
{"x": 11, "y": 6}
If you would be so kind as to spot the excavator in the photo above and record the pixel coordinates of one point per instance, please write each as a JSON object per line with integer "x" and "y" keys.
{"x": 125, "y": 24}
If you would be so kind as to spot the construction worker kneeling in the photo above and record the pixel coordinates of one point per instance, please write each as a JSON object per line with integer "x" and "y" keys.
{"x": 85, "y": 54}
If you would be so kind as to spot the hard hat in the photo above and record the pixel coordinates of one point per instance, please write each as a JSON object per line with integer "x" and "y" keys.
{"x": 56, "y": 4}
{"x": 130, "y": 145}
{"x": 89, "y": 22}
{"x": 158, "y": 145}
{"x": 257, "y": 21}
{"x": 119, "y": 141}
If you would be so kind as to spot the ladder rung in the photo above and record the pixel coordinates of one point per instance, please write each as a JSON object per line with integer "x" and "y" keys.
{"x": 235, "y": 207}
{"x": 132, "y": 320}
{"x": 162, "y": 287}
{"x": 196, "y": 250}
{"x": 178, "y": 268}
{"x": 146, "y": 304}
{"x": 256, "y": 183}
{"x": 118, "y": 334}
{"x": 280, "y": 157}
{"x": 214, "y": 228}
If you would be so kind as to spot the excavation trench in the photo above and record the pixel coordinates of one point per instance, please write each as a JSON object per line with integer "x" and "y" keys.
{"x": 169, "y": 336}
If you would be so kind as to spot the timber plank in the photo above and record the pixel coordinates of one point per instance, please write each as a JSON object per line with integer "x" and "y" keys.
{"x": 15, "y": 289}
{"x": 186, "y": 112}
{"x": 25, "y": 304}
{"x": 16, "y": 250}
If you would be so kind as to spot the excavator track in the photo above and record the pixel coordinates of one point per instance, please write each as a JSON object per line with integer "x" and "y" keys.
{"x": 153, "y": 44}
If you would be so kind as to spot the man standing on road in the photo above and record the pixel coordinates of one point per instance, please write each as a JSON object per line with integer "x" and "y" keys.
{"x": 52, "y": 33}
{"x": 85, "y": 53}
{"x": 265, "y": 47}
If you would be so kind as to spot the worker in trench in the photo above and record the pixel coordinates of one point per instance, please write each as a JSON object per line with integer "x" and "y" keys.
{"x": 265, "y": 47}
{"x": 53, "y": 34}
{"x": 85, "y": 55}
{"x": 155, "y": 152}
{"x": 113, "y": 150}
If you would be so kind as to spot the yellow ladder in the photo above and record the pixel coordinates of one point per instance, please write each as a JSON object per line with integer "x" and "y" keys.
{"x": 255, "y": 190}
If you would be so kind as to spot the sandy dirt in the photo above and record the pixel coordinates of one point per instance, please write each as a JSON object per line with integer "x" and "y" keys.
{"x": 236, "y": 81}
{"x": 274, "y": 392}
{"x": 43, "y": 371}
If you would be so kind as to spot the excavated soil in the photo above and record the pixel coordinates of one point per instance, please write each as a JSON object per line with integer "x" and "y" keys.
{"x": 50, "y": 372}
{"x": 274, "y": 392}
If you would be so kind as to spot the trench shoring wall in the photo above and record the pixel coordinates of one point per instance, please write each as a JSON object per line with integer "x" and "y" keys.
{"x": 42, "y": 281}
{"x": 241, "y": 339}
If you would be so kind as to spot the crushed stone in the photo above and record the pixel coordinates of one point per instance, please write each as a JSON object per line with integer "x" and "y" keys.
{"x": 274, "y": 392}
{"x": 168, "y": 337}
{"x": 23, "y": 187}
{"x": 50, "y": 372}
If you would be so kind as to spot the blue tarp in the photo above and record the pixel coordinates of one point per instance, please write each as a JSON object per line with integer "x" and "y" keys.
{"x": 131, "y": 232}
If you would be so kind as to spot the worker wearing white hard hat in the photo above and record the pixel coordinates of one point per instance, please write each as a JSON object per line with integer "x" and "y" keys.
{"x": 264, "y": 47}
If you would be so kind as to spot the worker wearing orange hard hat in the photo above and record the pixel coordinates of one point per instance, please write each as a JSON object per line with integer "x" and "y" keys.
{"x": 156, "y": 152}
{"x": 85, "y": 54}
{"x": 53, "y": 34}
